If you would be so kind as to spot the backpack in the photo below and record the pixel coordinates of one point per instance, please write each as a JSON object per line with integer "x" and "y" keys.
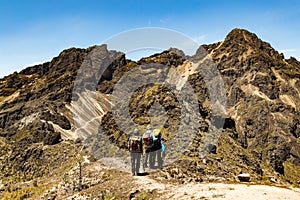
{"x": 157, "y": 133}
{"x": 135, "y": 145}
{"x": 147, "y": 140}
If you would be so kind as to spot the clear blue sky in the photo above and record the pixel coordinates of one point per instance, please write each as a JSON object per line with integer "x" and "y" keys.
{"x": 34, "y": 31}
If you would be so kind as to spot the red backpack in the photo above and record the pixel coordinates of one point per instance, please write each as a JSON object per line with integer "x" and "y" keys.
{"x": 147, "y": 140}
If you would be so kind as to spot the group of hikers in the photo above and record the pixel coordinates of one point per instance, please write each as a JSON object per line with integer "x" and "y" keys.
{"x": 149, "y": 147}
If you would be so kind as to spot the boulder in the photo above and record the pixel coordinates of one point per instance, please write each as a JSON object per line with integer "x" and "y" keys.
{"x": 244, "y": 177}
{"x": 211, "y": 148}
{"x": 52, "y": 138}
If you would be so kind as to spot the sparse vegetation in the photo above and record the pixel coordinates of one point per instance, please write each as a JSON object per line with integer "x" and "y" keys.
{"x": 144, "y": 196}
{"x": 27, "y": 192}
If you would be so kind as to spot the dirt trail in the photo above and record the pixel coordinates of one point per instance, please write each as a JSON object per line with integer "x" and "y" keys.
{"x": 207, "y": 190}
{"x": 217, "y": 190}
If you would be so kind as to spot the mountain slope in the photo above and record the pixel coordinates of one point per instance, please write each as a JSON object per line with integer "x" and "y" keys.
{"x": 48, "y": 109}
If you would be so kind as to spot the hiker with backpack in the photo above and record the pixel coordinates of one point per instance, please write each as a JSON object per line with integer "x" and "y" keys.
{"x": 135, "y": 146}
{"x": 148, "y": 141}
{"x": 157, "y": 148}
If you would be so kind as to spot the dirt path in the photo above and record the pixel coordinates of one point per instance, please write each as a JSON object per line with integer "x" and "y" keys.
{"x": 217, "y": 190}
{"x": 208, "y": 190}
{"x": 232, "y": 191}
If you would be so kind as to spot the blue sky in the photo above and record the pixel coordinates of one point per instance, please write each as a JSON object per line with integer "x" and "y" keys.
{"x": 35, "y": 31}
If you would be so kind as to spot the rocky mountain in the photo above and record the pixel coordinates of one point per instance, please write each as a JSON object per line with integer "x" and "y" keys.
{"x": 246, "y": 116}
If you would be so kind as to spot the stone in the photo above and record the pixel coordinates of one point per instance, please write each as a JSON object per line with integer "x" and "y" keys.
{"x": 211, "y": 148}
{"x": 244, "y": 177}
{"x": 133, "y": 193}
{"x": 52, "y": 138}
{"x": 273, "y": 179}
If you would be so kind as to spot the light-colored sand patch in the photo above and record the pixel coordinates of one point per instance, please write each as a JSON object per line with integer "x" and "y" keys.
{"x": 65, "y": 134}
{"x": 276, "y": 73}
{"x": 10, "y": 98}
{"x": 253, "y": 90}
{"x": 287, "y": 99}
{"x": 27, "y": 120}
{"x": 86, "y": 114}
{"x": 180, "y": 74}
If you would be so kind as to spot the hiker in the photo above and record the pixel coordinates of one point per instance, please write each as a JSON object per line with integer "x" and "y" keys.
{"x": 158, "y": 147}
{"x": 148, "y": 141}
{"x": 135, "y": 147}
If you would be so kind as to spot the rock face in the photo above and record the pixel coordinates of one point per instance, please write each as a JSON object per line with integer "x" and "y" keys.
{"x": 32, "y": 103}
{"x": 262, "y": 89}
{"x": 259, "y": 127}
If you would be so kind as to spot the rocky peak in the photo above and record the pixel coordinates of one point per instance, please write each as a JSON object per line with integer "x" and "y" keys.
{"x": 242, "y": 44}
{"x": 241, "y": 36}
{"x": 177, "y": 51}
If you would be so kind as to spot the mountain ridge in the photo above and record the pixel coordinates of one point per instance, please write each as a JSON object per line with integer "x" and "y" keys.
{"x": 261, "y": 128}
